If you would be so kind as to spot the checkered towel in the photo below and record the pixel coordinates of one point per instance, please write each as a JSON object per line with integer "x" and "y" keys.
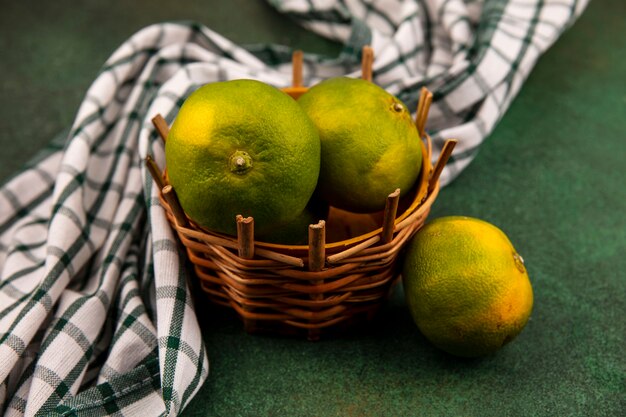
{"x": 96, "y": 316}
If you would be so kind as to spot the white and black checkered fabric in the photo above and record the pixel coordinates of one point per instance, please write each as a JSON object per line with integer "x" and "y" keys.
{"x": 96, "y": 315}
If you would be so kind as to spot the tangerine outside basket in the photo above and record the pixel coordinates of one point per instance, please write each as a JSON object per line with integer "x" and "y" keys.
{"x": 341, "y": 277}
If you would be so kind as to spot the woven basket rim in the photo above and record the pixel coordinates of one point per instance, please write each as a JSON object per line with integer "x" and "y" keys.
{"x": 421, "y": 200}
{"x": 303, "y": 289}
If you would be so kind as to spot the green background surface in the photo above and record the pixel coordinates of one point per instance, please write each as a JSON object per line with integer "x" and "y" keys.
{"x": 551, "y": 176}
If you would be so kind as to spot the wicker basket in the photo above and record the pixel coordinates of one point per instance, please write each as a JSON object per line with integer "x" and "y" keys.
{"x": 341, "y": 277}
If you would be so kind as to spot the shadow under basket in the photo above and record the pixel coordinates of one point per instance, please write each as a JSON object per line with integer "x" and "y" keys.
{"x": 312, "y": 289}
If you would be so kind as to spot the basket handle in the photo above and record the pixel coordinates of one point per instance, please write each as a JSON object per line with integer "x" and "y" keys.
{"x": 296, "y": 61}
{"x": 245, "y": 236}
{"x": 441, "y": 162}
{"x": 423, "y": 107}
{"x": 367, "y": 61}
{"x": 317, "y": 246}
{"x": 155, "y": 172}
{"x": 389, "y": 215}
{"x": 172, "y": 199}
{"x": 161, "y": 126}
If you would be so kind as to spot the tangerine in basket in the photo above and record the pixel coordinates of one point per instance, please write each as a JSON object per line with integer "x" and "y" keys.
{"x": 296, "y": 231}
{"x": 370, "y": 145}
{"x": 242, "y": 147}
{"x": 465, "y": 285}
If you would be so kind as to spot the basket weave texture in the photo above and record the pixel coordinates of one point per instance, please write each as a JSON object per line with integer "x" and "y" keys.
{"x": 275, "y": 290}
{"x": 315, "y": 288}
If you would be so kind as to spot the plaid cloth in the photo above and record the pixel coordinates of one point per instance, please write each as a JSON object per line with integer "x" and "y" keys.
{"x": 96, "y": 316}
